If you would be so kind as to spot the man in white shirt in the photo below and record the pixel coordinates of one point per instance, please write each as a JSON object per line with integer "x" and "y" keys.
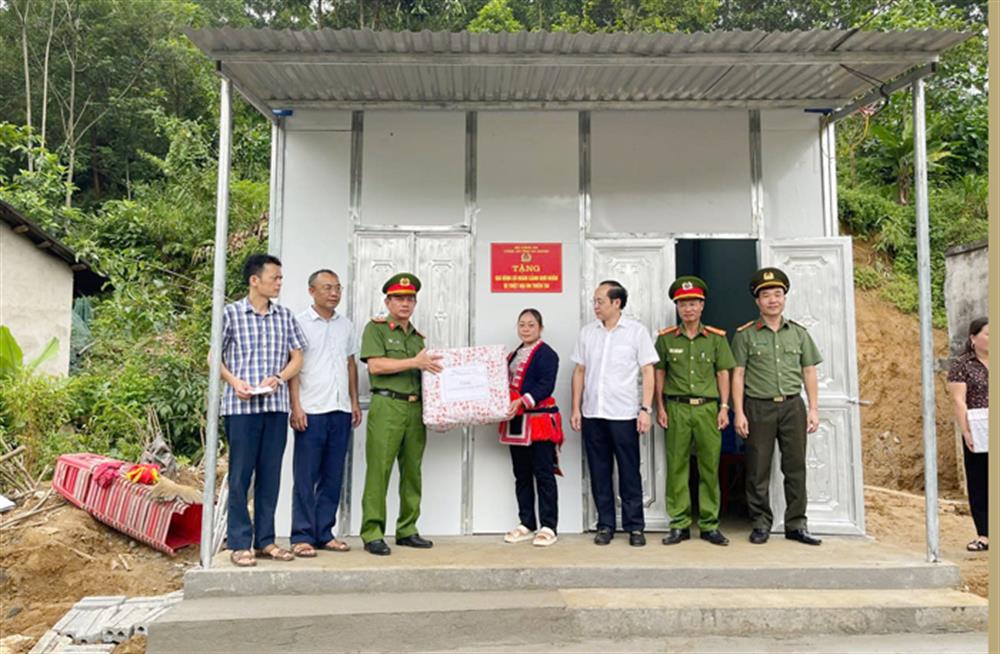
{"x": 610, "y": 355}
{"x": 324, "y": 399}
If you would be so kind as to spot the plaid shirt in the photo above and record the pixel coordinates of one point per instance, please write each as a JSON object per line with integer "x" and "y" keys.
{"x": 254, "y": 347}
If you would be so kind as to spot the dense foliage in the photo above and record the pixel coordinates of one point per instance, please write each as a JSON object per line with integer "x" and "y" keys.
{"x": 107, "y": 139}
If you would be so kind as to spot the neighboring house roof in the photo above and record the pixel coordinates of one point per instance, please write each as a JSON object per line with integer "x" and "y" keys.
{"x": 85, "y": 280}
{"x": 358, "y": 69}
{"x": 967, "y": 247}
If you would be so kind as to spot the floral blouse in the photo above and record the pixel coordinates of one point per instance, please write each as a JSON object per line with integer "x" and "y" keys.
{"x": 969, "y": 370}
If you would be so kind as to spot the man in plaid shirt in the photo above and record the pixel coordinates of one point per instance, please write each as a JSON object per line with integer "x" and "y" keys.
{"x": 261, "y": 350}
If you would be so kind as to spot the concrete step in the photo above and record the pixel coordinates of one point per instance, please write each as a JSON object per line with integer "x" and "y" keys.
{"x": 470, "y": 563}
{"x": 428, "y": 621}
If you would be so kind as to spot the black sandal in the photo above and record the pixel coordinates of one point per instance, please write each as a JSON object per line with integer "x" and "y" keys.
{"x": 977, "y": 546}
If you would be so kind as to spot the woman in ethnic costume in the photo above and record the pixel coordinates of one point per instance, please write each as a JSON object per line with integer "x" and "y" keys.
{"x": 534, "y": 432}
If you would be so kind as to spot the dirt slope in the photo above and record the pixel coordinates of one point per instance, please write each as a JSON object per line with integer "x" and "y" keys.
{"x": 889, "y": 375}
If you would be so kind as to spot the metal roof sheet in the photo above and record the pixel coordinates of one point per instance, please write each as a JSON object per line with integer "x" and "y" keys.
{"x": 370, "y": 69}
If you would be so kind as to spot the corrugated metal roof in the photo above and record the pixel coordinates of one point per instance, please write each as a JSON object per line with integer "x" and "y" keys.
{"x": 365, "y": 68}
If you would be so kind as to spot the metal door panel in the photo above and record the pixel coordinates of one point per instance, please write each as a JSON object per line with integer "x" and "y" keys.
{"x": 645, "y": 267}
{"x": 821, "y": 298}
{"x": 441, "y": 261}
{"x": 378, "y": 256}
{"x": 443, "y": 268}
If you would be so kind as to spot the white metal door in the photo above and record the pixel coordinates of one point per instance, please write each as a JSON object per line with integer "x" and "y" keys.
{"x": 441, "y": 261}
{"x": 645, "y": 267}
{"x": 821, "y": 298}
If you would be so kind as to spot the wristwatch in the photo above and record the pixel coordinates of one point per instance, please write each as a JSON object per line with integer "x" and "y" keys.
{"x": 647, "y": 409}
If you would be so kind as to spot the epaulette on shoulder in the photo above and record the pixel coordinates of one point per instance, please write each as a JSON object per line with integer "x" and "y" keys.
{"x": 715, "y": 330}
{"x": 745, "y": 325}
{"x": 669, "y": 330}
{"x": 379, "y": 319}
{"x": 797, "y": 324}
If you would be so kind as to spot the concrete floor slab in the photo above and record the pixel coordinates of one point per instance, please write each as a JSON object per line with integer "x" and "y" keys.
{"x": 465, "y": 563}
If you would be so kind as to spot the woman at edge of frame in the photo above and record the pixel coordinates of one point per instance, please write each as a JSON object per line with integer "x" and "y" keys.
{"x": 968, "y": 382}
{"x": 534, "y": 432}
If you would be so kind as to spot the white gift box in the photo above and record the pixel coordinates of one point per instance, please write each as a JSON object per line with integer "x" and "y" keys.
{"x": 471, "y": 390}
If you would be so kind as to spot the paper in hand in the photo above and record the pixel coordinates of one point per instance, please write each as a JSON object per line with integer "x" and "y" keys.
{"x": 261, "y": 390}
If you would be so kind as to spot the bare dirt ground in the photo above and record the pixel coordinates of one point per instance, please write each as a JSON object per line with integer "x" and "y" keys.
{"x": 899, "y": 519}
{"x": 53, "y": 559}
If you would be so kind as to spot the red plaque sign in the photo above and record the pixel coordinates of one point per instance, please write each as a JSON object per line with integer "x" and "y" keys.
{"x": 526, "y": 268}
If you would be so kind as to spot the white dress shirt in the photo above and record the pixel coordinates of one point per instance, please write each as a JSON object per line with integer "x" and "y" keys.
{"x": 611, "y": 360}
{"x": 323, "y": 384}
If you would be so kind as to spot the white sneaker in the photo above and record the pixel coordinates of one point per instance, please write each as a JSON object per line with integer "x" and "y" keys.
{"x": 544, "y": 538}
{"x": 518, "y": 534}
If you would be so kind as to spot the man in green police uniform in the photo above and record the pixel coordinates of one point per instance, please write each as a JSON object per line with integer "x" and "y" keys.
{"x": 395, "y": 353}
{"x": 774, "y": 357}
{"x": 692, "y": 377}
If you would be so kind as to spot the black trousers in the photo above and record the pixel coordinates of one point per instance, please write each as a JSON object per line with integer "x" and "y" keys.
{"x": 608, "y": 442}
{"x": 783, "y": 423}
{"x": 534, "y": 467}
{"x": 978, "y": 484}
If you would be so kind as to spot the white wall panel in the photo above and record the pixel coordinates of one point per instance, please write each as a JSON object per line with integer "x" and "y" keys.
{"x": 315, "y": 233}
{"x": 670, "y": 172}
{"x": 528, "y": 191}
{"x": 414, "y": 168}
{"x": 315, "y": 227}
{"x": 793, "y": 197}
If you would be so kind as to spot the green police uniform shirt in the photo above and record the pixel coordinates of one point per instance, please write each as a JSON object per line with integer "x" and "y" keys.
{"x": 385, "y": 338}
{"x": 692, "y": 363}
{"x": 774, "y": 359}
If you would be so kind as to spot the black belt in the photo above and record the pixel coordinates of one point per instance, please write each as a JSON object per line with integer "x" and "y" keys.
{"x": 397, "y": 396}
{"x": 548, "y": 409}
{"x": 693, "y": 401}
{"x": 777, "y": 399}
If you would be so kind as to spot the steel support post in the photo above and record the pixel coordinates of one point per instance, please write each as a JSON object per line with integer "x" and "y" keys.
{"x": 218, "y": 301}
{"x": 926, "y": 337}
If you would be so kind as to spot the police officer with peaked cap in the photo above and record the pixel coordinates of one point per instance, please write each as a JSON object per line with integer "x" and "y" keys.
{"x": 692, "y": 395}
{"x": 775, "y": 357}
{"x": 396, "y": 355}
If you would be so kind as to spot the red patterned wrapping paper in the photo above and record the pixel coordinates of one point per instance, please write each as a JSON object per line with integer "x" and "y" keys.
{"x": 488, "y": 406}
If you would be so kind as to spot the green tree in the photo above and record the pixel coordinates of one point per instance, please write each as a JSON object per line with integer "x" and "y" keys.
{"x": 893, "y": 154}
{"x": 495, "y": 16}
